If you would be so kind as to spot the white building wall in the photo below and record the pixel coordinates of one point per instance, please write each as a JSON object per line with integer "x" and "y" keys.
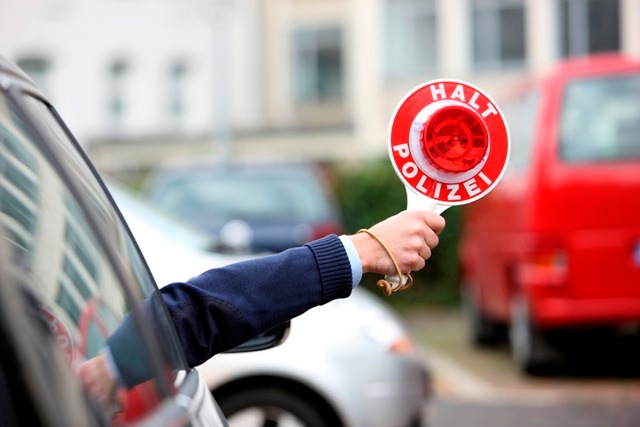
{"x": 630, "y": 22}
{"x": 364, "y": 70}
{"x": 81, "y": 39}
{"x": 542, "y": 34}
{"x": 453, "y": 35}
{"x": 239, "y": 59}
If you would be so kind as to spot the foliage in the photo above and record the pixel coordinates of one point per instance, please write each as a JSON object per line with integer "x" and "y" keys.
{"x": 371, "y": 192}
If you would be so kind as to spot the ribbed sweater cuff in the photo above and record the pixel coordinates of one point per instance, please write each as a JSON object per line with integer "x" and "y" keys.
{"x": 334, "y": 266}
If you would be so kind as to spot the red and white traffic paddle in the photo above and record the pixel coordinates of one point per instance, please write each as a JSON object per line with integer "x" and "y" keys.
{"x": 449, "y": 144}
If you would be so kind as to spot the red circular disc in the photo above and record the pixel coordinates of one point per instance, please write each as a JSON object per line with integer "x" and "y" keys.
{"x": 455, "y": 139}
{"x": 448, "y": 141}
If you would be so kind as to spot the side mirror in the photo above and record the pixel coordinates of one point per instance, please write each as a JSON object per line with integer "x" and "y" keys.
{"x": 269, "y": 339}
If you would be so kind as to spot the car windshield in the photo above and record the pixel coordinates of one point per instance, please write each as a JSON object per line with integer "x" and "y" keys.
{"x": 241, "y": 195}
{"x": 600, "y": 119}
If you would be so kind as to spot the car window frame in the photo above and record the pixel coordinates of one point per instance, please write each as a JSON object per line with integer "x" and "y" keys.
{"x": 14, "y": 95}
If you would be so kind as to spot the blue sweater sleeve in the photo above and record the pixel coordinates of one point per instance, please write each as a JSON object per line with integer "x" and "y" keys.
{"x": 223, "y": 307}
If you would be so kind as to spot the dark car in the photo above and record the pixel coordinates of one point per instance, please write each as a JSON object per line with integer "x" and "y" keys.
{"x": 70, "y": 273}
{"x": 266, "y": 206}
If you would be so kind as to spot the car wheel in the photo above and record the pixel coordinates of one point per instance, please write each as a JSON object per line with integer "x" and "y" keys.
{"x": 482, "y": 330}
{"x": 269, "y": 407}
{"x": 530, "y": 350}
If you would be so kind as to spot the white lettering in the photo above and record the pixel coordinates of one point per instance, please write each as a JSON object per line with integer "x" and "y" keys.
{"x": 453, "y": 192}
{"x": 485, "y": 178}
{"x": 458, "y": 92}
{"x": 471, "y": 187}
{"x": 409, "y": 170}
{"x": 438, "y": 92}
{"x": 437, "y": 192}
{"x": 473, "y": 100}
{"x": 420, "y": 185}
{"x": 402, "y": 150}
{"x": 490, "y": 110}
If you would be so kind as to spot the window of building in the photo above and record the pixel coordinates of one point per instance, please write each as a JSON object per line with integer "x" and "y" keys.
{"x": 410, "y": 37}
{"x": 117, "y": 83}
{"x": 19, "y": 194}
{"x": 68, "y": 304}
{"x": 177, "y": 93}
{"x": 498, "y": 34}
{"x": 82, "y": 250}
{"x": 589, "y": 26}
{"x": 37, "y": 69}
{"x": 318, "y": 65}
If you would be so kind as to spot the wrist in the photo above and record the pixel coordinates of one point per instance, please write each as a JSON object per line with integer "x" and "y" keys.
{"x": 366, "y": 247}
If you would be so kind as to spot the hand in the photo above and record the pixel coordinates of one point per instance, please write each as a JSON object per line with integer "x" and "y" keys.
{"x": 97, "y": 379}
{"x": 410, "y": 236}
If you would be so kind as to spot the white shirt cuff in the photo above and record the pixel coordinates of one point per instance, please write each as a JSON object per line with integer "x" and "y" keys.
{"x": 354, "y": 260}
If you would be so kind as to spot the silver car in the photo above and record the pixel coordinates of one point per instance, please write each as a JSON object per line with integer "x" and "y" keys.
{"x": 350, "y": 363}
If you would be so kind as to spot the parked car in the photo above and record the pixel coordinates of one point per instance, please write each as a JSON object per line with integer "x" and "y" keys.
{"x": 556, "y": 246}
{"x": 274, "y": 205}
{"x": 164, "y": 238}
{"x": 350, "y": 363}
{"x": 70, "y": 272}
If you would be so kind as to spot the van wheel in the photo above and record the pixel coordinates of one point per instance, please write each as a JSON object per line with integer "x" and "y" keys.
{"x": 482, "y": 330}
{"x": 270, "y": 406}
{"x": 530, "y": 350}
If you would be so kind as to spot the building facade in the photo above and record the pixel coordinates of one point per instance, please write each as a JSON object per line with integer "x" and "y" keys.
{"x": 141, "y": 81}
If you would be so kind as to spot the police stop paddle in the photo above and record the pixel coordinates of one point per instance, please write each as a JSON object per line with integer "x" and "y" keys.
{"x": 449, "y": 144}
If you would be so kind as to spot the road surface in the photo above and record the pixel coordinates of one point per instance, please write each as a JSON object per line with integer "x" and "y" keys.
{"x": 480, "y": 387}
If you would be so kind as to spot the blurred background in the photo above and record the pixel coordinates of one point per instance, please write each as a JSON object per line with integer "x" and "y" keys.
{"x": 143, "y": 82}
{"x": 148, "y": 84}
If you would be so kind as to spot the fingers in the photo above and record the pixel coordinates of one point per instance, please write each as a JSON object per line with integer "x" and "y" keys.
{"x": 418, "y": 265}
{"x": 96, "y": 379}
{"x": 434, "y": 225}
{"x": 433, "y": 220}
{"x": 431, "y": 240}
{"x": 425, "y": 252}
{"x": 410, "y": 236}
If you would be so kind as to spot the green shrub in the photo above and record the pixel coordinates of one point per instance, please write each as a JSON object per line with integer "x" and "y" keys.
{"x": 371, "y": 192}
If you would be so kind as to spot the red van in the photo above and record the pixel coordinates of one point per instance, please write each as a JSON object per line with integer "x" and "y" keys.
{"x": 556, "y": 245}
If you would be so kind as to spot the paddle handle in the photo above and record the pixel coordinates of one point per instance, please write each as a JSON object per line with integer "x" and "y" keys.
{"x": 415, "y": 201}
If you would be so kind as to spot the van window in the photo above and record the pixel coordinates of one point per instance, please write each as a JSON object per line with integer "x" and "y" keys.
{"x": 600, "y": 119}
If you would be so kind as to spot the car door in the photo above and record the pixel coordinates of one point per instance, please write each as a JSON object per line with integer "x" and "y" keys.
{"x": 71, "y": 275}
